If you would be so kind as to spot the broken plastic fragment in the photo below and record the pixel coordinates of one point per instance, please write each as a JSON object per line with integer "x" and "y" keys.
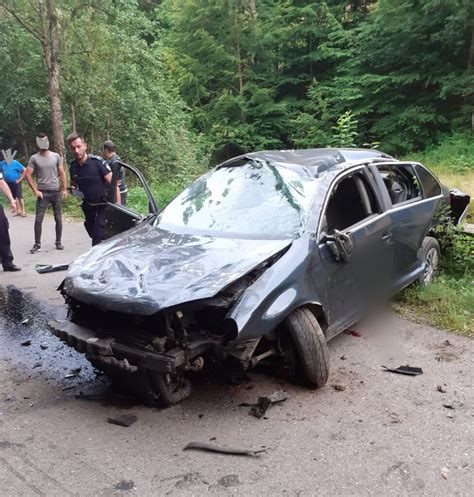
{"x": 408, "y": 370}
{"x": 223, "y": 450}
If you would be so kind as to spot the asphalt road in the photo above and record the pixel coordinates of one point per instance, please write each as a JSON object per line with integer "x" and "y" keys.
{"x": 367, "y": 432}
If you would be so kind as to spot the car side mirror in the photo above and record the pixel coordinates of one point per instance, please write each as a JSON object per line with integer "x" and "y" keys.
{"x": 341, "y": 245}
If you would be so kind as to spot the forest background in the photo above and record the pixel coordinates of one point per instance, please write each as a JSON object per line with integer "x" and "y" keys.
{"x": 180, "y": 85}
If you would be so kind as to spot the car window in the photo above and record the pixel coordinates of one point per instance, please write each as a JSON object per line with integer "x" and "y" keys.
{"x": 352, "y": 200}
{"x": 429, "y": 184}
{"x": 401, "y": 182}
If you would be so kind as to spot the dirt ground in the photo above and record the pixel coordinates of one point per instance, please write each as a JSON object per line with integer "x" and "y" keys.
{"x": 367, "y": 432}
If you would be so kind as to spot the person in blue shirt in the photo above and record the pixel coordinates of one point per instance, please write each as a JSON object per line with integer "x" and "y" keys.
{"x": 13, "y": 173}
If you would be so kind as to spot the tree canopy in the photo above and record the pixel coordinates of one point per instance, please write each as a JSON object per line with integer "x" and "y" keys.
{"x": 177, "y": 83}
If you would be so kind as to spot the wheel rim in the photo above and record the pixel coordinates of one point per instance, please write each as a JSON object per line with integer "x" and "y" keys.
{"x": 432, "y": 262}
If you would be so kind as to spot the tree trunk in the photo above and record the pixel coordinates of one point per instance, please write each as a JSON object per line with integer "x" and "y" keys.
{"x": 53, "y": 81}
{"x": 470, "y": 69}
{"x": 21, "y": 128}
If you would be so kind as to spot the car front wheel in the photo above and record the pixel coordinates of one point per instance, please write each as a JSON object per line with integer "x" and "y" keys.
{"x": 310, "y": 346}
{"x": 431, "y": 256}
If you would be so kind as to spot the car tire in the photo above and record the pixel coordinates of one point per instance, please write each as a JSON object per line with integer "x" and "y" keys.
{"x": 171, "y": 388}
{"x": 431, "y": 256}
{"x": 310, "y": 346}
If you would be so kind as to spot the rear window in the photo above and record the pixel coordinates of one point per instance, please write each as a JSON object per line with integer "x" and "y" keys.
{"x": 428, "y": 182}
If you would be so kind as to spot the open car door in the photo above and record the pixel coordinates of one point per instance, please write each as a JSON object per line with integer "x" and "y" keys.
{"x": 130, "y": 199}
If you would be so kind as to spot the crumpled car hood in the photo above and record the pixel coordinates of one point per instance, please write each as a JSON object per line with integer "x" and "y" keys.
{"x": 148, "y": 268}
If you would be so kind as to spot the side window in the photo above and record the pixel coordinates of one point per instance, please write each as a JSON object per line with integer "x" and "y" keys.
{"x": 429, "y": 184}
{"x": 352, "y": 200}
{"x": 401, "y": 182}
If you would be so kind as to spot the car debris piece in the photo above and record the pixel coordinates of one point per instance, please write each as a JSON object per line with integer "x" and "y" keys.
{"x": 441, "y": 388}
{"x": 223, "y": 450}
{"x": 26, "y": 343}
{"x": 50, "y": 268}
{"x": 407, "y": 370}
{"x": 125, "y": 420}
{"x": 339, "y": 387}
{"x": 25, "y": 321}
{"x": 263, "y": 403}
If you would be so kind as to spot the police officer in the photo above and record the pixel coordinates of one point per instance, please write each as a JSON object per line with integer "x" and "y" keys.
{"x": 90, "y": 175}
{"x": 5, "y": 251}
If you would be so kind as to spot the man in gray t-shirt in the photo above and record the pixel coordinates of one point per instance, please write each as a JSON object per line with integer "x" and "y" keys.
{"x": 48, "y": 170}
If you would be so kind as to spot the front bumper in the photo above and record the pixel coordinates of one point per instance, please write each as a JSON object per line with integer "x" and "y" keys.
{"x": 111, "y": 351}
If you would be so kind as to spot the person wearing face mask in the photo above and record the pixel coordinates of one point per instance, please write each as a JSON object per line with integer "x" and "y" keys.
{"x": 50, "y": 187}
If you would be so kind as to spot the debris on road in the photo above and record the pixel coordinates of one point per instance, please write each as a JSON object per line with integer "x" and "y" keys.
{"x": 339, "y": 387}
{"x": 50, "y": 268}
{"x": 441, "y": 388}
{"x": 73, "y": 373}
{"x": 407, "y": 370}
{"x": 125, "y": 420}
{"x": 223, "y": 450}
{"x": 263, "y": 403}
{"x": 25, "y": 321}
{"x": 26, "y": 343}
{"x": 444, "y": 473}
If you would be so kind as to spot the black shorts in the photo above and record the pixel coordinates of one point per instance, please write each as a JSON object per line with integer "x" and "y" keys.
{"x": 15, "y": 188}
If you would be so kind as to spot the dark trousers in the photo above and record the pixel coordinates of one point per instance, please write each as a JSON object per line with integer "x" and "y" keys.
{"x": 5, "y": 251}
{"x": 53, "y": 198}
{"x": 94, "y": 222}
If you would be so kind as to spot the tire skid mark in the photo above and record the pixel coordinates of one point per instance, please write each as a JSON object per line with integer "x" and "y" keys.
{"x": 12, "y": 470}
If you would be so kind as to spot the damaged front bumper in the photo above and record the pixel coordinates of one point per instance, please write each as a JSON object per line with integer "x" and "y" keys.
{"x": 112, "y": 351}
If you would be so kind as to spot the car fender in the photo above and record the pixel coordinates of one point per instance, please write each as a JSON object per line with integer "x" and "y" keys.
{"x": 282, "y": 288}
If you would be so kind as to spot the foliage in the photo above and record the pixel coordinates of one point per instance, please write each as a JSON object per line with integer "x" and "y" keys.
{"x": 345, "y": 131}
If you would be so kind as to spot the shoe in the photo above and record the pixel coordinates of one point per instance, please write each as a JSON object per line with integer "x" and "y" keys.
{"x": 12, "y": 268}
{"x": 36, "y": 248}
{"x": 59, "y": 246}
{"x": 23, "y": 214}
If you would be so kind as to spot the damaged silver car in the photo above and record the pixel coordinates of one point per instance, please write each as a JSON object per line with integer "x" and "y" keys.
{"x": 265, "y": 258}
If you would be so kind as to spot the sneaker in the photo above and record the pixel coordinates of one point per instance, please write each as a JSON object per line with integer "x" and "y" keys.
{"x": 12, "y": 268}
{"x": 59, "y": 246}
{"x": 36, "y": 248}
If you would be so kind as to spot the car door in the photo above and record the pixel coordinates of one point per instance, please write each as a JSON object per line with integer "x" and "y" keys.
{"x": 413, "y": 205}
{"x": 354, "y": 283}
{"x": 122, "y": 212}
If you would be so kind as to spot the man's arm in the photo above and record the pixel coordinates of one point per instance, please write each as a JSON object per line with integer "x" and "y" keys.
{"x": 31, "y": 182}
{"x": 62, "y": 175}
{"x": 22, "y": 175}
{"x": 6, "y": 190}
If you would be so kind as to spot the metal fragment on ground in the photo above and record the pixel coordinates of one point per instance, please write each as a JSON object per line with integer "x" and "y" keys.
{"x": 263, "y": 403}
{"x": 125, "y": 420}
{"x": 223, "y": 450}
{"x": 407, "y": 370}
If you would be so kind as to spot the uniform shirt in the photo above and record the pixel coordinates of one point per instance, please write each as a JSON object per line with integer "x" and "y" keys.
{"x": 46, "y": 170}
{"x": 89, "y": 178}
{"x": 11, "y": 172}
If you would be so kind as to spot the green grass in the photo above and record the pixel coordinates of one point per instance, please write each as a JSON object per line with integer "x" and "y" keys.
{"x": 448, "y": 303}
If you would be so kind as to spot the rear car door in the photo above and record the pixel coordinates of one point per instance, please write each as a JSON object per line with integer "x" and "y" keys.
{"x": 415, "y": 196}
{"x": 353, "y": 284}
{"x": 130, "y": 199}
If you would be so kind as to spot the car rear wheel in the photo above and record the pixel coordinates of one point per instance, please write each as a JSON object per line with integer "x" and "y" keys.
{"x": 431, "y": 256}
{"x": 310, "y": 346}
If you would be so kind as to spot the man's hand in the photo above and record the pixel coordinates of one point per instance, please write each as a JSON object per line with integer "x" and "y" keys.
{"x": 38, "y": 194}
{"x": 13, "y": 205}
{"x": 64, "y": 194}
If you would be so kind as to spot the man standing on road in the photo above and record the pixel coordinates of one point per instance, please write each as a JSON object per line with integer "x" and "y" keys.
{"x": 48, "y": 169}
{"x": 90, "y": 174}
{"x": 5, "y": 251}
{"x": 111, "y": 157}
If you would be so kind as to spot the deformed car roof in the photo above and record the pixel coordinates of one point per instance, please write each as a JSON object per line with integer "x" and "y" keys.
{"x": 321, "y": 159}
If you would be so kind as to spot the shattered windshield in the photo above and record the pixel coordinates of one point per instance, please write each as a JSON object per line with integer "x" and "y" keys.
{"x": 254, "y": 199}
